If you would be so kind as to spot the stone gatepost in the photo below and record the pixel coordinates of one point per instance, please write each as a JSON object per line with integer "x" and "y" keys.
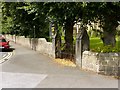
{"x": 78, "y": 47}
{"x": 53, "y": 33}
{"x": 79, "y": 51}
{"x": 53, "y": 46}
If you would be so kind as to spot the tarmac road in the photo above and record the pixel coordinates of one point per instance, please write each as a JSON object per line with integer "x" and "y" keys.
{"x": 29, "y": 69}
{"x": 3, "y": 54}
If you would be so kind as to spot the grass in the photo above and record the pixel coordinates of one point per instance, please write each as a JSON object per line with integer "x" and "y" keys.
{"x": 95, "y": 42}
{"x": 118, "y": 42}
{"x": 96, "y": 45}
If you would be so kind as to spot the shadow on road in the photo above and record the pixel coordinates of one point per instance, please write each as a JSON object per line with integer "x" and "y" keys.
{"x": 8, "y": 50}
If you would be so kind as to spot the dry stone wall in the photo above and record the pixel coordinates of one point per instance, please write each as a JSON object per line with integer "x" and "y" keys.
{"x": 38, "y": 44}
{"x": 103, "y": 63}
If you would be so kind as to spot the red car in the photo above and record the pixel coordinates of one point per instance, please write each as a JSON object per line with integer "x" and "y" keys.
{"x": 4, "y": 44}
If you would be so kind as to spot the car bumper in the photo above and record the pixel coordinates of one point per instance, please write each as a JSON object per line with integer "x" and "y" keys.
{"x": 1, "y": 47}
{"x": 4, "y": 48}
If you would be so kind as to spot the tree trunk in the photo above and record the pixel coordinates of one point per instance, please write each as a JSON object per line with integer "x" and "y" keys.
{"x": 85, "y": 40}
{"x": 58, "y": 44}
{"x": 109, "y": 30}
{"x": 109, "y": 38}
{"x": 69, "y": 37}
{"x": 109, "y": 34}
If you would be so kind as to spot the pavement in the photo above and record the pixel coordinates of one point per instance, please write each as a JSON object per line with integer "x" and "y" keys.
{"x": 30, "y": 69}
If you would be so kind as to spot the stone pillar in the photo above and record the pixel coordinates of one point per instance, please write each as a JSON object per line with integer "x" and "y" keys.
{"x": 50, "y": 30}
{"x": 78, "y": 51}
{"x": 53, "y": 46}
{"x": 78, "y": 47}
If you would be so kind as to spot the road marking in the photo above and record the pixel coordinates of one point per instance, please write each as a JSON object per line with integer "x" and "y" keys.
{"x": 6, "y": 57}
{"x": 20, "y": 80}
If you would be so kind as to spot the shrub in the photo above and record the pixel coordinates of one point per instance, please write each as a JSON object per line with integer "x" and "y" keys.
{"x": 106, "y": 49}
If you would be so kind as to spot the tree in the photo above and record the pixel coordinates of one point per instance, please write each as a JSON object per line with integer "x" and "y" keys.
{"x": 66, "y": 14}
{"x": 108, "y": 15}
{"x": 25, "y": 17}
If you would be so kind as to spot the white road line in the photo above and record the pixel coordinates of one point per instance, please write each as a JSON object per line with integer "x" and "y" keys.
{"x": 6, "y": 58}
{"x": 9, "y": 54}
{"x": 4, "y": 55}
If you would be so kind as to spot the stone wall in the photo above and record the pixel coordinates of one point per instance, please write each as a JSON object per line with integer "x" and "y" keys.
{"x": 103, "y": 63}
{"x": 37, "y": 44}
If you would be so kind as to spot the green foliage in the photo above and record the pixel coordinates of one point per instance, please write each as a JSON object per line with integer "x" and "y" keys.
{"x": 107, "y": 14}
{"x": 24, "y": 18}
{"x": 62, "y": 11}
{"x": 27, "y": 18}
